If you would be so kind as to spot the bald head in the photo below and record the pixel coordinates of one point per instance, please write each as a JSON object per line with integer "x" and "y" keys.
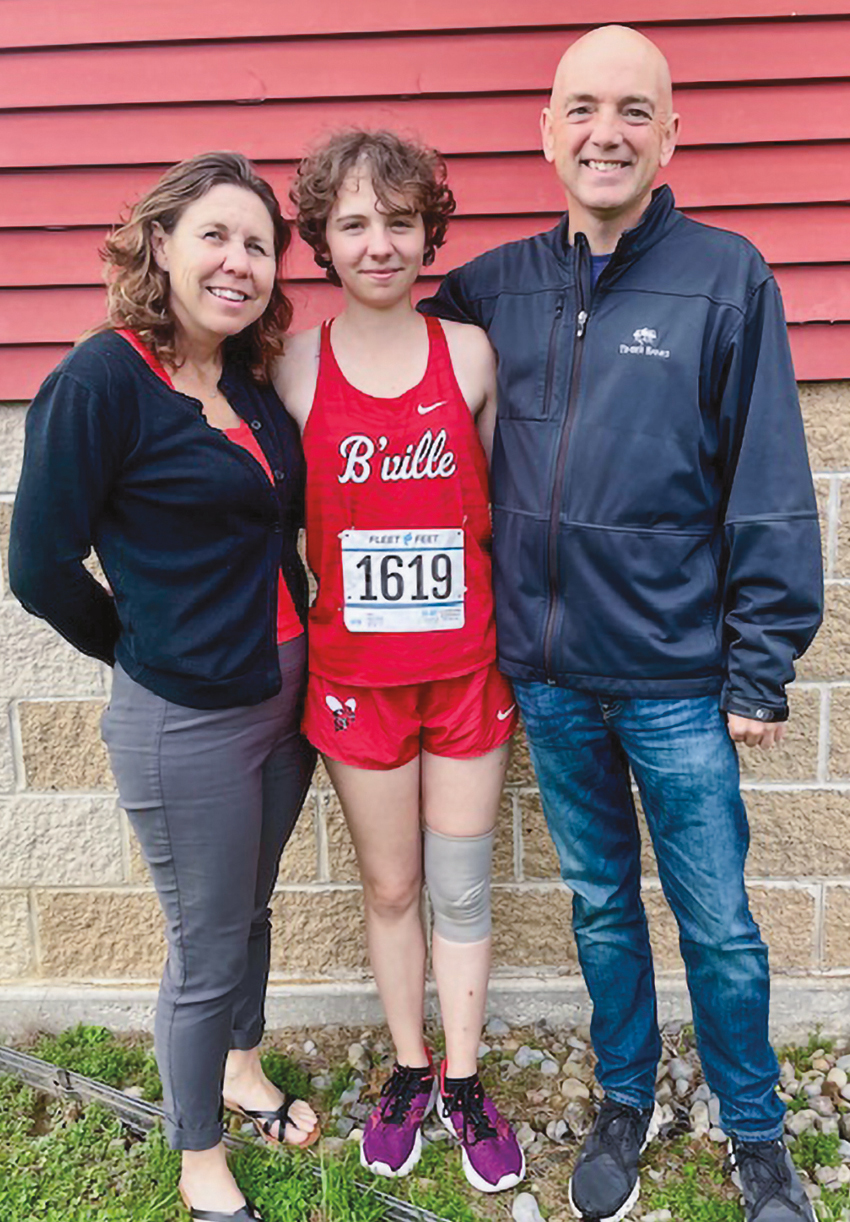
{"x": 614, "y": 50}
{"x": 608, "y": 129}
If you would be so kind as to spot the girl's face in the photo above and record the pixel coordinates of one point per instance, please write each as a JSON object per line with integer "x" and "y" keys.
{"x": 376, "y": 254}
{"x": 220, "y": 260}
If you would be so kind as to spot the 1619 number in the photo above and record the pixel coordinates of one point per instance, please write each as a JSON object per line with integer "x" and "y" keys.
{"x": 391, "y": 578}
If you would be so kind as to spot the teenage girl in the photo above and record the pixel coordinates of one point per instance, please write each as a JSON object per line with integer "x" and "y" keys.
{"x": 404, "y": 699}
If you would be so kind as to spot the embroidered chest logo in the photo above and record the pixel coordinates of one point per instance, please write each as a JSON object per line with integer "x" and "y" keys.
{"x": 343, "y": 714}
{"x": 426, "y": 459}
{"x": 644, "y": 343}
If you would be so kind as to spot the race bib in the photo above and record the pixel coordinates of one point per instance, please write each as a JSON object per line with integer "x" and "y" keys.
{"x": 402, "y": 580}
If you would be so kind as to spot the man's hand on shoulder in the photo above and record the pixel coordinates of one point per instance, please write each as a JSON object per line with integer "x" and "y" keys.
{"x": 754, "y": 733}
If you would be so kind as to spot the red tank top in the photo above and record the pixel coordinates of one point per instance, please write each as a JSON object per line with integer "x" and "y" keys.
{"x": 289, "y": 626}
{"x": 398, "y": 529}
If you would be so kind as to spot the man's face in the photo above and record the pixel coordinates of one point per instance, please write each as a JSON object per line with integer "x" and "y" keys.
{"x": 609, "y": 127}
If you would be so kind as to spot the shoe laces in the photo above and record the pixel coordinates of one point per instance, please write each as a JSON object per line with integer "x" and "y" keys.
{"x": 468, "y": 1099}
{"x": 617, "y": 1125}
{"x": 768, "y": 1172}
{"x": 399, "y": 1091}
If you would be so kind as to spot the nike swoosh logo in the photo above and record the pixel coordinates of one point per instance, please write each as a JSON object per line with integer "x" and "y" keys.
{"x": 423, "y": 411}
{"x": 504, "y": 716}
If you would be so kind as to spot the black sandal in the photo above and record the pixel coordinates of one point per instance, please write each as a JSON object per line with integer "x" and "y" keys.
{"x": 264, "y": 1122}
{"x": 246, "y": 1214}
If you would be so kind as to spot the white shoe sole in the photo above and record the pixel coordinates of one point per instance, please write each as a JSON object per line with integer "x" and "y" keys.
{"x": 397, "y": 1173}
{"x": 472, "y": 1177}
{"x": 629, "y": 1204}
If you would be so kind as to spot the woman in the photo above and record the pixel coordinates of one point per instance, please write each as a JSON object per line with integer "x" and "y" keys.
{"x": 404, "y": 699}
{"x": 160, "y": 443}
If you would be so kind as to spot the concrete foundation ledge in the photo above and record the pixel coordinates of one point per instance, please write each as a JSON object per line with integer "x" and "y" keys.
{"x": 799, "y": 1005}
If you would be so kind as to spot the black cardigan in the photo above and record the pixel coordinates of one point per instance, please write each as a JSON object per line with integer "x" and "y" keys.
{"x": 188, "y": 527}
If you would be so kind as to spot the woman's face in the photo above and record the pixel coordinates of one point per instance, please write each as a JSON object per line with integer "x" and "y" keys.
{"x": 377, "y": 254}
{"x": 220, "y": 261}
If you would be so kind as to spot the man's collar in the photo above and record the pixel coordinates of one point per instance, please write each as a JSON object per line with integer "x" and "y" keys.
{"x": 633, "y": 242}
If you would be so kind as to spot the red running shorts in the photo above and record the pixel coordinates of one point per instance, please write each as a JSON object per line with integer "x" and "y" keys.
{"x": 385, "y": 727}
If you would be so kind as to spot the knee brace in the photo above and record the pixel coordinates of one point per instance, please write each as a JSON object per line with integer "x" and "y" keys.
{"x": 457, "y": 873}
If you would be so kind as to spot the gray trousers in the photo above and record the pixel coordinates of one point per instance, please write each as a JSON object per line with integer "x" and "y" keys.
{"x": 213, "y": 796}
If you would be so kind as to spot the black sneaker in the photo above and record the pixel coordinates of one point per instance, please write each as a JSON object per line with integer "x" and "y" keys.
{"x": 770, "y": 1184}
{"x": 605, "y": 1183}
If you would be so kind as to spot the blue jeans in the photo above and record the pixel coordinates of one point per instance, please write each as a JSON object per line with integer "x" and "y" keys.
{"x": 686, "y": 770}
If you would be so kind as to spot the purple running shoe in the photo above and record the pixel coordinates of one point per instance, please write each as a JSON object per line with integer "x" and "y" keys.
{"x": 492, "y": 1157}
{"x": 392, "y": 1139}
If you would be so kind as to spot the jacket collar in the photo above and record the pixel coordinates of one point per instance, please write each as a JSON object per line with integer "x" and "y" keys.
{"x": 652, "y": 226}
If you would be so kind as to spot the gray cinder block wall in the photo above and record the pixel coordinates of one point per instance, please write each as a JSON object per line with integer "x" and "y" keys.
{"x": 80, "y": 931}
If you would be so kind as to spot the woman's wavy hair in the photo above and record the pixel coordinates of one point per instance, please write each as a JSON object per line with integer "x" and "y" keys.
{"x": 137, "y": 289}
{"x": 403, "y": 172}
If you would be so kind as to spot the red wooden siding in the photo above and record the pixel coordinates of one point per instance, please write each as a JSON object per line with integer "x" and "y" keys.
{"x": 95, "y": 99}
{"x": 50, "y": 23}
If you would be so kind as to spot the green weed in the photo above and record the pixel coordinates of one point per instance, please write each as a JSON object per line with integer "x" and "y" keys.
{"x": 341, "y": 1078}
{"x": 813, "y": 1150}
{"x": 695, "y": 1188}
{"x": 285, "y": 1074}
{"x": 20, "y": 1109}
{"x": 97, "y": 1053}
{"x": 86, "y": 1167}
{"x": 81, "y": 1168}
{"x": 801, "y": 1055}
{"x": 695, "y": 1193}
{"x": 799, "y": 1103}
{"x": 833, "y": 1206}
{"x": 439, "y": 1184}
{"x": 284, "y": 1187}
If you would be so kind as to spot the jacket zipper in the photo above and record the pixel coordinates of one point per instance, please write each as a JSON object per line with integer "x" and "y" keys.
{"x": 550, "y": 355}
{"x": 561, "y": 462}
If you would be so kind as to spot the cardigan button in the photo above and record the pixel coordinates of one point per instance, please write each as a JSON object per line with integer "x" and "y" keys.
{"x": 279, "y": 475}
{"x": 256, "y": 425}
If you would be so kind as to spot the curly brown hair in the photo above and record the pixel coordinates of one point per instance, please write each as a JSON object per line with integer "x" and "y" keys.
{"x": 401, "y": 170}
{"x": 138, "y": 290}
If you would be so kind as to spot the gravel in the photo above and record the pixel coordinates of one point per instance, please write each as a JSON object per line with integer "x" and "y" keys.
{"x": 572, "y": 1088}
{"x": 680, "y": 1070}
{"x": 497, "y": 1028}
{"x": 543, "y": 1079}
{"x": 700, "y": 1119}
{"x": 526, "y": 1056}
{"x": 525, "y": 1208}
{"x": 525, "y": 1134}
{"x": 358, "y": 1058}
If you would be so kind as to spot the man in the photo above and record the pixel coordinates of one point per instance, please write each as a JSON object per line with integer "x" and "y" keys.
{"x": 657, "y": 570}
